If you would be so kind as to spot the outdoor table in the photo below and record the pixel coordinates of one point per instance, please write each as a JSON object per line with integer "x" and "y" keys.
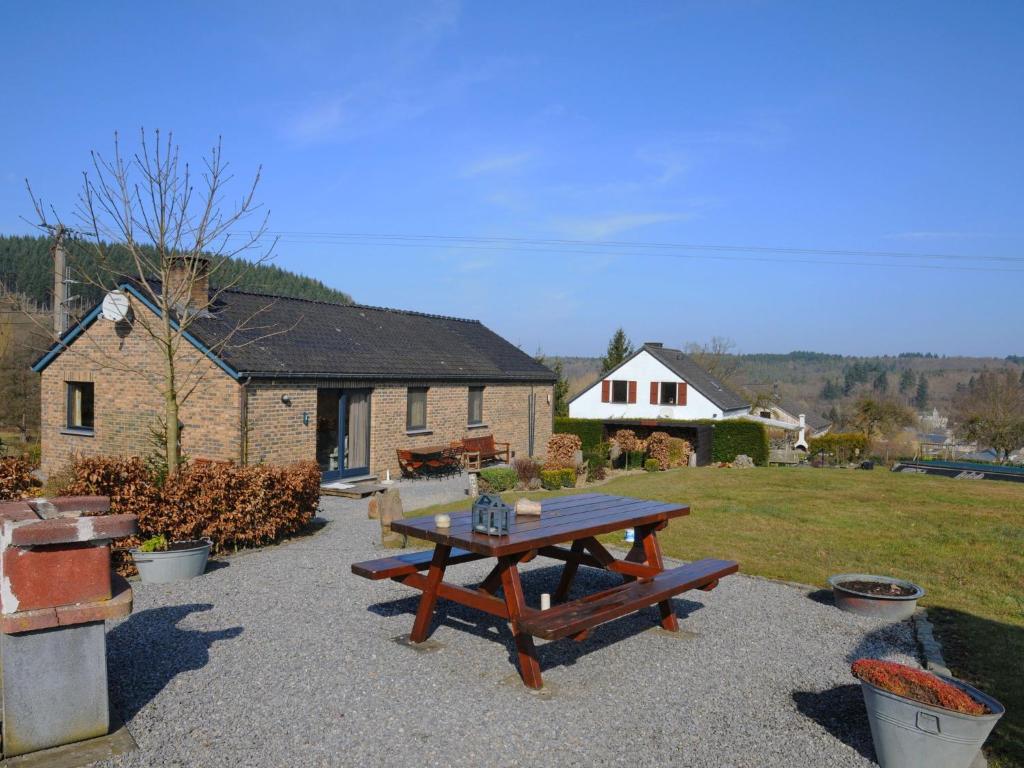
{"x": 576, "y": 520}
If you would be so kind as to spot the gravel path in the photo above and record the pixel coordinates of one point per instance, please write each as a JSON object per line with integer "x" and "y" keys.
{"x": 283, "y": 658}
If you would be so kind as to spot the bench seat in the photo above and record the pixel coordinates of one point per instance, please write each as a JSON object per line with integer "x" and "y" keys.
{"x": 578, "y": 616}
{"x": 403, "y": 565}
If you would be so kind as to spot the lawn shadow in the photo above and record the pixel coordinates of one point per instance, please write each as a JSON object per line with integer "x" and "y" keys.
{"x": 840, "y": 711}
{"x": 148, "y": 650}
{"x": 537, "y": 581}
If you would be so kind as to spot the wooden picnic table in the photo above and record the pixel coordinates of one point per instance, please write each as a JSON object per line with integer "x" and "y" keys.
{"x": 575, "y": 520}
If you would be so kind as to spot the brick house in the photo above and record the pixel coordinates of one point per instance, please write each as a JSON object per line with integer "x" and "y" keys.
{"x": 345, "y": 385}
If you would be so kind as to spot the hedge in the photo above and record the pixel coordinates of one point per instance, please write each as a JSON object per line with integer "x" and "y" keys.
{"x": 551, "y": 479}
{"x": 230, "y": 505}
{"x": 589, "y": 431}
{"x": 730, "y": 438}
{"x": 16, "y": 481}
{"x": 498, "y": 479}
{"x": 842, "y": 446}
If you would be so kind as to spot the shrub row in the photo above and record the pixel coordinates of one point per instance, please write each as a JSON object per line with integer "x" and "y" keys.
{"x": 234, "y": 507}
{"x": 589, "y": 431}
{"x": 839, "y": 447}
{"x": 498, "y": 479}
{"x": 553, "y": 479}
{"x": 16, "y": 481}
{"x": 733, "y": 437}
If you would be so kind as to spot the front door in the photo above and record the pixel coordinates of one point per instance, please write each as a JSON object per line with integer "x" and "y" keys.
{"x": 343, "y": 432}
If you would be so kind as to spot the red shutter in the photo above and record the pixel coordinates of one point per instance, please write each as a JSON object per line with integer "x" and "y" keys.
{"x": 681, "y": 393}
{"x": 606, "y": 391}
{"x": 654, "y": 393}
{"x": 632, "y": 391}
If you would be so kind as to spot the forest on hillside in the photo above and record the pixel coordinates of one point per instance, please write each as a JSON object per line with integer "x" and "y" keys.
{"x": 26, "y": 268}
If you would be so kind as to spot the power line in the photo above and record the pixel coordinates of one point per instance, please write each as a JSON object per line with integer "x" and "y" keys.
{"x": 613, "y": 248}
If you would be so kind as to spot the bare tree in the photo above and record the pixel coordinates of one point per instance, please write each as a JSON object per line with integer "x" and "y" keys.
{"x": 990, "y": 410}
{"x": 717, "y": 357}
{"x": 174, "y": 226}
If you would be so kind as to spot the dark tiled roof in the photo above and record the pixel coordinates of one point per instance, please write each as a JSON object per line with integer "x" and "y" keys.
{"x": 814, "y": 420}
{"x": 686, "y": 368}
{"x": 315, "y": 338}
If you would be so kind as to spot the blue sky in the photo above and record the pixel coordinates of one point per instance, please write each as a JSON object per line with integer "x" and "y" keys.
{"x": 890, "y": 127}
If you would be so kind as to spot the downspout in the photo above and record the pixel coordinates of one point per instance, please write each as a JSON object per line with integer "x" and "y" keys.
{"x": 243, "y": 422}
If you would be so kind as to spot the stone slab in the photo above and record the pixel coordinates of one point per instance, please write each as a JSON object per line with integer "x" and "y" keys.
{"x": 54, "y": 687}
{"x": 53, "y": 575}
{"x": 117, "y": 607}
{"x": 70, "y": 506}
{"x": 67, "y": 530}
{"x": 118, "y": 742}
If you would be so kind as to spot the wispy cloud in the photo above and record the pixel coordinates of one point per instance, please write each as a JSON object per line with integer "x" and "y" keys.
{"x": 497, "y": 163}
{"x": 600, "y": 227}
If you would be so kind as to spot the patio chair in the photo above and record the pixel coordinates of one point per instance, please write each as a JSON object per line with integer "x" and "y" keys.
{"x": 410, "y": 467}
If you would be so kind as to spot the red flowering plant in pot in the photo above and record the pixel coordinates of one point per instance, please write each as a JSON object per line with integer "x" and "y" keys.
{"x": 919, "y": 719}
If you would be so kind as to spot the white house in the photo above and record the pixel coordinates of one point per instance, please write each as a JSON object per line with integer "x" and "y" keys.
{"x": 658, "y": 383}
{"x": 784, "y": 414}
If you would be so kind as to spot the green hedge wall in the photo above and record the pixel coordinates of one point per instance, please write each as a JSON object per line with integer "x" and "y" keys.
{"x": 731, "y": 438}
{"x": 589, "y": 431}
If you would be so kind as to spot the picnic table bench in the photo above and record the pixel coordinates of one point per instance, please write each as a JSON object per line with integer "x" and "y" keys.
{"x": 576, "y": 520}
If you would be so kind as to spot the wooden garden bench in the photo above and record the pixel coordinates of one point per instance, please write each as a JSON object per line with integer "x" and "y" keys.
{"x": 477, "y": 450}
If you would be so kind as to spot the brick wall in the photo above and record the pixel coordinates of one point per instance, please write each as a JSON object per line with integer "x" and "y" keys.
{"x": 128, "y": 402}
{"x": 505, "y": 416}
{"x": 277, "y": 434}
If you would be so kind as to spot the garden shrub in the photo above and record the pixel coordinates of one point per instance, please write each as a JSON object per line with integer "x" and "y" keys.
{"x": 232, "y": 506}
{"x": 596, "y": 468}
{"x": 679, "y": 451}
{"x": 733, "y": 437}
{"x": 839, "y": 447}
{"x": 498, "y": 479}
{"x": 16, "y": 480}
{"x": 658, "y": 449}
{"x": 551, "y": 479}
{"x": 652, "y": 465}
{"x": 916, "y": 684}
{"x": 589, "y": 431}
{"x": 526, "y": 470}
{"x": 568, "y": 477}
{"x": 562, "y": 452}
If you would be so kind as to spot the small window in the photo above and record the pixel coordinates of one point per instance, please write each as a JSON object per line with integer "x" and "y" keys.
{"x": 620, "y": 391}
{"x": 476, "y": 405}
{"x": 81, "y": 397}
{"x": 766, "y": 414}
{"x": 668, "y": 392}
{"x": 416, "y": 409}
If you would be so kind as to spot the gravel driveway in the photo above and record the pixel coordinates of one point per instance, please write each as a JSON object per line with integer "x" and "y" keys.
{"x": 282, "y": 657}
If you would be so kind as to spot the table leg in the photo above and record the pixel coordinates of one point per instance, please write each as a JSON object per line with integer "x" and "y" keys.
{"x": 529, "y": 667}
{"x": 568, "y": 572}
{"x": 652, "y": 550}
{"x": 421, "y": 627}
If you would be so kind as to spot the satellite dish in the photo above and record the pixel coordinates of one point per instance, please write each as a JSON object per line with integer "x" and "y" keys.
{"x": 116, "y": 307}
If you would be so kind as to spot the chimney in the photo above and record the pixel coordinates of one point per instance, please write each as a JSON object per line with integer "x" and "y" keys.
{"x": 188, "y": 282}
{"x": 657, "y": 344}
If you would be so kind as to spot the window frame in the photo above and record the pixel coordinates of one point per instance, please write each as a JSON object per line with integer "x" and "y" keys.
{"x": 625, "y": 392}
{"x": 478, "y": 391}
{"x": 674, "y": 386}
{"x": 410, "y": 391}
{"x": 83, "y": 387}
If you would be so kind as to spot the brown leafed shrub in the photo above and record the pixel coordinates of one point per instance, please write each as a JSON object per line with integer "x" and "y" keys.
{"x": 658, "y": 444}
{"x": 16, "y": 481}
{"x": 526, "y": 470}
{"x": 562, "y": 450}
{"x": 627, "y": 440}
{"x": 234, "y": 507}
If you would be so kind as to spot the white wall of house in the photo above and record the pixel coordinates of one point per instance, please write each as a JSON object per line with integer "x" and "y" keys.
{"x": 643, "y": 369}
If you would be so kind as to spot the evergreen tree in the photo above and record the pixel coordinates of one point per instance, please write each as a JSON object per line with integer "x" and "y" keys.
{"x": 921, "y": 396}
{"x": 619, "y": 348}
{"x": 907, "y": 381}
{"x": 560, "y": 391}
{"x": 831, "y": 390}
{"x": 881, "y": 383}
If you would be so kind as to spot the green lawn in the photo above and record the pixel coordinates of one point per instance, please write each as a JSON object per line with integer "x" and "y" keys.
{"x": 963, "y": 541}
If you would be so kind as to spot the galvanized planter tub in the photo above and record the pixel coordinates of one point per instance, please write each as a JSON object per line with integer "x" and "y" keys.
{"x": 883, "y": 606}
{"x": 172, "y": 565}
{"x": 908, "y": 734}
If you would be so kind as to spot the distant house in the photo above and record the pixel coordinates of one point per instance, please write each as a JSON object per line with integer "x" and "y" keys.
{"x": 799, "y": 420}
{"x": 342, "y": 385}
{"x": 658, "y": 383}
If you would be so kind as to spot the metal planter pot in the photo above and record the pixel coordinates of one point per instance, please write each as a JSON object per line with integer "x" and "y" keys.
{"x": 908, "y": 734}
{"x": 172, "y": 565}
{"x": 883, "y": 606}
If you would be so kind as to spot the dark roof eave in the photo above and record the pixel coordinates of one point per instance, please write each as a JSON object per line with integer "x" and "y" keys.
{"x": 419, "y": 376}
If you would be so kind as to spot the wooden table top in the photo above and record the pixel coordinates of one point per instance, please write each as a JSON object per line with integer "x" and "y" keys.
{"x": 563, "y": 518}
{"x": 427, "y": 450}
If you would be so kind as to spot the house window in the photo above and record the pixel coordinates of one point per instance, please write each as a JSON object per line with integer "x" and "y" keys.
{"x": 81, "y": 397}
{"x": 668, "y": 393}
{"x": 620, "y": 391}
{"x": 476, "y": 406}
{"x": 416, "y": 409}
{"x": 766, "y": 414}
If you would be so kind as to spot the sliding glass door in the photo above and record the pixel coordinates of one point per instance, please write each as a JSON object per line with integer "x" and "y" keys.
{"x": 343, "y": 432}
